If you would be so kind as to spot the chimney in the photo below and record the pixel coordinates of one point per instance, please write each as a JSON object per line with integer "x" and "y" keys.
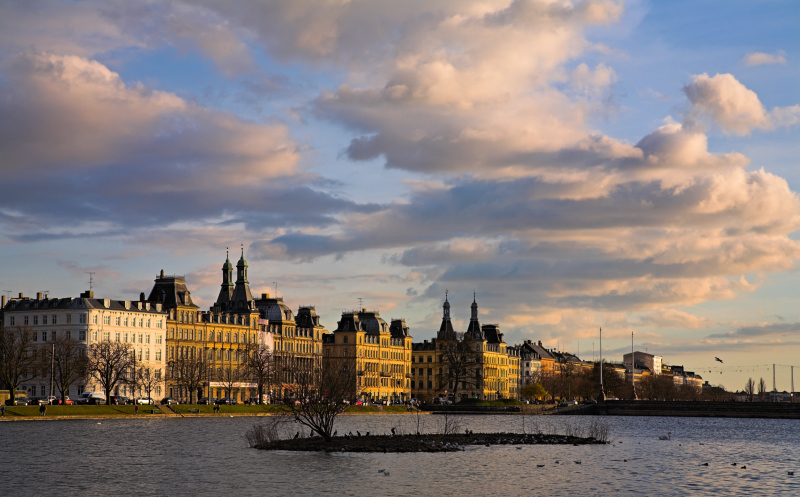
{"x": 39, "y": 295}
{"x": 20, "y": 295}
{"x": 264, "y": 296}
{"x": 141, "y": 296}
{"x": 89, "y": 294}
{"x": 162, "y": 273}
{"x": 3, "y": 299}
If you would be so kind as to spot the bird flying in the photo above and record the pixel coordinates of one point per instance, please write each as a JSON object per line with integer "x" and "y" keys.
{"x": 718, "y": 359}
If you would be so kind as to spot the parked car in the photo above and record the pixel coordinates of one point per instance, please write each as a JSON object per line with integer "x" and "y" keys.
{"x": 18, "y": 401}
{"x": 206, "y": 401}
{"x": 168, "y": 401}
{"x": 65, "y": 401}
{"x": 91, "y": 398}
{"x": 145, "y": 400}
{"x": 120, "y": 400}
{"x": 227, "y": 401}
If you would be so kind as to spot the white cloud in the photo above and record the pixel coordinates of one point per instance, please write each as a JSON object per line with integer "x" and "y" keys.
{"x": 762, "y": 59}
{"x": 734, "y": 107}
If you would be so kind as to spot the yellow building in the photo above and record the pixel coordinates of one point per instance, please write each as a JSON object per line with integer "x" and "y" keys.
{"x": 218, "y": 338}
{"x": 381, "y": 353}
{"x": 491, "y": 372}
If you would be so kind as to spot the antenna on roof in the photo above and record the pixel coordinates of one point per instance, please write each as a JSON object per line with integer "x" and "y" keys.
{"x": 45, "y": 292}
{"x": 276, "y": 288}
{"x": 91, "y": 280}
{"x": 359, "y": 303}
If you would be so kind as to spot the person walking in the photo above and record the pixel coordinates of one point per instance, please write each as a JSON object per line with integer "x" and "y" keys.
{"x": 4, "y": 410}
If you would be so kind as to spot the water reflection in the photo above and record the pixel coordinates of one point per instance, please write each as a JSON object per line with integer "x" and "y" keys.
{"x": 203, "y": 456}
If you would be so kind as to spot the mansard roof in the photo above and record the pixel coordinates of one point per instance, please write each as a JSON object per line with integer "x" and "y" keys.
{"x": 170, "y": 291}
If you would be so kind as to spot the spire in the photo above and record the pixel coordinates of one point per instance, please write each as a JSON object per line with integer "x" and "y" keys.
{"x": 446, "y": 331}
{"x": 226, "y": 292}
{"x": 241, "y": 297}
{"x": 474, "y": 330}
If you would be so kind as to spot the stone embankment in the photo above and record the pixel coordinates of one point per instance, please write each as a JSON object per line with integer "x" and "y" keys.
{"x": 774, "y": 410}
{"x": 420, "y": 443}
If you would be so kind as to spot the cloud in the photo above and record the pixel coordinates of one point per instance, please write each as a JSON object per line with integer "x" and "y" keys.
{"x": 82, "y": 144}
{"x": 674, "y": 318}
{"x": 760, "y": 330}
{"x": 762, "y": 59}
{"x": 734, "y": 107}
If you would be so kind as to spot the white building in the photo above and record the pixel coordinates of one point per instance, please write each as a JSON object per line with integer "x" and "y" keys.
{"x": 90, "y": 320}
{"x": 649, "y": 361}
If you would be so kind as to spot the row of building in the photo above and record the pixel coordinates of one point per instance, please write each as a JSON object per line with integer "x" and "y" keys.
{"x": 167, "y": 325}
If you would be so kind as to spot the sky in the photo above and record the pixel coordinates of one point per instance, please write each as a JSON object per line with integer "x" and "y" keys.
{"x": 625, "y": 165}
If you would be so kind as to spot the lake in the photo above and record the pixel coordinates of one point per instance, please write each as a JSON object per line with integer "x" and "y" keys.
{"x": 202, "y": 456}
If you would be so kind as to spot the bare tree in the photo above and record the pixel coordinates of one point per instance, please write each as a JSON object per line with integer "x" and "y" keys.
{"x": 229, "y": 375}
{"x": 189, "y": 371}
{"x": 322, "y": 392}
{"x": 750, "y": 388}
{"x": 148, "y": 378}
{"x": 762, "y": 390}
{"x": 109, "y": 363}
{"x": 69, "y": 361}
{"x": 17, "y": 356}
{"x": 461, "y": 364}
{"x": 259, "y": 367}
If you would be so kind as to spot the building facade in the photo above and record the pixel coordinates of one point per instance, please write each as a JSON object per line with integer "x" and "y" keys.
{"x": 381, "y": 354}
{"x": 139, "y": 324}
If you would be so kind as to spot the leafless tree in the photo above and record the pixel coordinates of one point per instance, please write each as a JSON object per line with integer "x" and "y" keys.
{"x": 657, "y": 387}
{"x": 461, "y": 364}
{"x": 259, "y": 367}
{"x": 188, "y": 371}
{"x": 229, "y": 375}
{"x": 762, "y": 390}
{"x": 148, "y": 378}
{"x": 69, "y": 362}
{"x": 109, "y": 363}
{"x": 16, "y": 356}
{"x": 322, "y": 391}
{"x": 750, "y": 388}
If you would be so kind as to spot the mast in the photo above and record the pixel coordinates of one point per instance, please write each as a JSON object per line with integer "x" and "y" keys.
{"x": 633, "y": 368}
{"x": 602, "y": 390}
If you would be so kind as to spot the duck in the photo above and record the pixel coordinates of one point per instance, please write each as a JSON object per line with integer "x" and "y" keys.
{"x": 668, "y": 436}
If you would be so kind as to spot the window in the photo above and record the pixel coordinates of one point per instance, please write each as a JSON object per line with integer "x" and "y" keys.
{"x": 140, "y": 338}
{"x": 44, "y": 319}
{"x": 158, "y": 339}
{"x": 81, "y": 318}
{"x": 69, "y": 334}
{"x": 11, "y": 320}
{"x": 82, "y": 335}
{"x": 106, "y": 335}
{"x": 140, "y": 354}
{"x": 228, "y": 354}
{"x": 118, "y": 320}
{"x": 94, "y": 319}
{"x": 94, "y": 336}
{"x": 44, "y": 336}
{"x": 228, "y": 337}
{"x": 35, "y": 337}
{"x": 148, "y": 323}
{"x": 106, "y": 319}
{"x": 171, "y": 352}
{"x": 345, "y": 339}
{"x": 219, "y": 354}
{"x": 158, "y": 355}
{"x": 235, "y": 338}
{"x": 147, "y": 355}
{"x": 133, "y": 322}
{"x": 26, "y": 320}
{"x": 118, "y": 335}
{"x": 35, "y": 319}
{"x": 141, "y": 323}
{"x": 147, "y": 338}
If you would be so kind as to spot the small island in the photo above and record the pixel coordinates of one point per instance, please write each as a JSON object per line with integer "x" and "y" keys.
{"x": 419, "y": 443}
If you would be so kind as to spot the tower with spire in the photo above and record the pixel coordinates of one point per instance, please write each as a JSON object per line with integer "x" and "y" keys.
{"x": 446, "y": 331}
{"x": 474, "y": 330}
{"x": 226, "y": 292}
{"x": 241, "y": 299}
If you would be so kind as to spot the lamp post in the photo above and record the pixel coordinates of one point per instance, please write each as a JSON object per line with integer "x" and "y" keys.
{"x": 602, "y": 396}
{"x": 633, "y": 368}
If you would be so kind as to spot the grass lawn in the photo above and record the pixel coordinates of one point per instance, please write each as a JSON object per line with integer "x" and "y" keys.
{"x": 226, "y": 409}
{"x": 33, "y": 411}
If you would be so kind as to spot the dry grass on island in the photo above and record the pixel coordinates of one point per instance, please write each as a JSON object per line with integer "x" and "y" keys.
{"x": 265, "y": 436}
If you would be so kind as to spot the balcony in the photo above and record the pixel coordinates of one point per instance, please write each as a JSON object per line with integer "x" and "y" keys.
{"x": 385, "y": 374}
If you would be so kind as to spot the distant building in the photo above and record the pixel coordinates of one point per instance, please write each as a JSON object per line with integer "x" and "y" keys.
{"x": 380, "y": 352}
{"x": 644, "y": 361}
{"x": 88, "y": 320}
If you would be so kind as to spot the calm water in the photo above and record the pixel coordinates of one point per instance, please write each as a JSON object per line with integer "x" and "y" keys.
{"x": 209, "y": 457}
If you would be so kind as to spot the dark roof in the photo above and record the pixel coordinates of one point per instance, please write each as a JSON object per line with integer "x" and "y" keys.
{"x": 171, "y": 292}
{"x": 25, "y": 304}
{"x": 367, "y": 321}
{"x": 492, "y": 333}
{"x": 423, "y": 346}
{"x": 307, "y": 317}
{"x": 398, "y": 328}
